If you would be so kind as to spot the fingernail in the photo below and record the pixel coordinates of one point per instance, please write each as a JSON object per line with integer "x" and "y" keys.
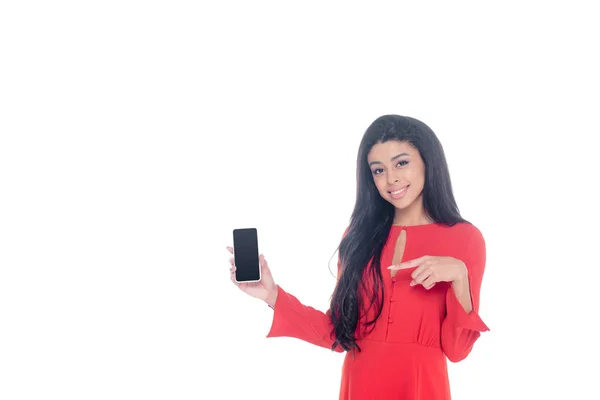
{"x": 412, "y": 283}
{"x": 390, "y": 267}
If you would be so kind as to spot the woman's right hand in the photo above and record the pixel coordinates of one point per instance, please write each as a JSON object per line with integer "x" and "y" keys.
{"x": 265, "y": 289}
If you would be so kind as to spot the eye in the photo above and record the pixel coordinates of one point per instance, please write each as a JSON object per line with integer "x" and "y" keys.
{"x": 375, "y": 171}
{"x": 402, "y": 163}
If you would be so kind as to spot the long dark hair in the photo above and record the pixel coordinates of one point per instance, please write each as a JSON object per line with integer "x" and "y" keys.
{"x": 372, "y": 220}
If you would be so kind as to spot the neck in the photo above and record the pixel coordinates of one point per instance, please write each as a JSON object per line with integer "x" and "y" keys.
{"x": 412, "y": 215}
{"x": 412, "y": 221}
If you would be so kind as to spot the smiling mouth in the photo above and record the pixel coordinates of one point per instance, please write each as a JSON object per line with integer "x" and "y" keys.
{"x": 396, "y": 194}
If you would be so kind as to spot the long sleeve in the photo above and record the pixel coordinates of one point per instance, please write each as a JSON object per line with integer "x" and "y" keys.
{"x": 293, "y": 319}
{"x": 460, "y": 329}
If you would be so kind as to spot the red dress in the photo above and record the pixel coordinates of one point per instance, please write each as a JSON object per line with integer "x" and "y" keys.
{"x": 404, "y": 356}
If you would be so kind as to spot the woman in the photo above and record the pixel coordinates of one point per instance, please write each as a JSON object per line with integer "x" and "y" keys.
{"x": 410, "y": 271}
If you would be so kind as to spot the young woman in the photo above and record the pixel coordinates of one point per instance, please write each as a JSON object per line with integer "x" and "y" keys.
{"x": 409, "y": 273}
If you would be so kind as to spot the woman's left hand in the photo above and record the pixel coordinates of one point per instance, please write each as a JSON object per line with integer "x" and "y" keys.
{"x": 433, "y": 269}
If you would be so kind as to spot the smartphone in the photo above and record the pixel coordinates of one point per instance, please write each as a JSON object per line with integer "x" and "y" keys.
{"x": 245, "y": 253}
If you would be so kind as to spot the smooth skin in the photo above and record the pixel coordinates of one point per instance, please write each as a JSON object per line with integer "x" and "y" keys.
{"x": 395, "y": 165}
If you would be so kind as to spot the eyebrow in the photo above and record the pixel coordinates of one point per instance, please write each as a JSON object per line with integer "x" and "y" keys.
{"x": 393, "y": 158}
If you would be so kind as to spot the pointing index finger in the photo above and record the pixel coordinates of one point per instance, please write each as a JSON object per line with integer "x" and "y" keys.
{"x": 408, "y": 264}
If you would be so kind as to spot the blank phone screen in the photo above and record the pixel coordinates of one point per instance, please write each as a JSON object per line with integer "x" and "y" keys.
{"x": 245, "y": 249}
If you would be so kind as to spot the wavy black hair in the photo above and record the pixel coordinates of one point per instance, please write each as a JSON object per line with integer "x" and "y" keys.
{"x": 372, "y": 219}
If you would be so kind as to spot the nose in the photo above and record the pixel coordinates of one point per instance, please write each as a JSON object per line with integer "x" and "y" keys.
{"x": 392, "y": 179}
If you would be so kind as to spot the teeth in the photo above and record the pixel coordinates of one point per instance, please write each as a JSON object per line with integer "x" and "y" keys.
{"x": 398, "y": 191}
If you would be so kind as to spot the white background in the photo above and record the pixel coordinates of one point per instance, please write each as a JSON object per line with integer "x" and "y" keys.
{"x": 135, "y": 136}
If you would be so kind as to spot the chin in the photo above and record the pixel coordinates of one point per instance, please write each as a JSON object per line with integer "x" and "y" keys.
{"x": 400, "y": 203}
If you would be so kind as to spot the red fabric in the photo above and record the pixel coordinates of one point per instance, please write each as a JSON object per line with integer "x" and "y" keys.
{"x": 404, "y": 356}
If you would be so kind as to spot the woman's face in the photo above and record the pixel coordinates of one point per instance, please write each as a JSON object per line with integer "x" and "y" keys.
{"x": 398, "y": 172}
